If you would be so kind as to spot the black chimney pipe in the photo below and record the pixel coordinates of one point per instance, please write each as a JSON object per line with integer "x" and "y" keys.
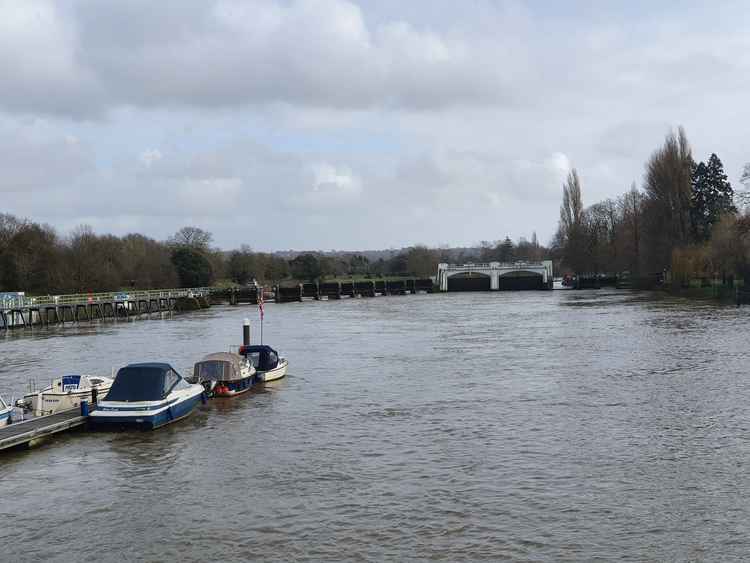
{"x": 246, "y": 333}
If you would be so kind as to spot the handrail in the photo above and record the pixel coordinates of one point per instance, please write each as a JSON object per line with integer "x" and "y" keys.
{"x": 90, "y": 298}
{"x": 492, "y": 265}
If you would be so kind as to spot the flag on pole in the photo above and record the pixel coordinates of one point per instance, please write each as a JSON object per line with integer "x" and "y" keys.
{"x": 260, "y": 302}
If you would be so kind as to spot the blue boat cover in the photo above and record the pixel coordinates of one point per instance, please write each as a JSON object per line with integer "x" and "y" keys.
{"x": 145, "y": 382}
{"x": 71, "y": 382}
{"x": 263, "y": 357}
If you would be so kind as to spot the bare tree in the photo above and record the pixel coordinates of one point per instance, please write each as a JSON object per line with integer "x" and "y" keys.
{"x": 631, "y": 210}
{"x": 192, "y": 237}
{"x": 668, "y": 185}
{"x": 571, "y": 222}
{"x": 742, "y": 197}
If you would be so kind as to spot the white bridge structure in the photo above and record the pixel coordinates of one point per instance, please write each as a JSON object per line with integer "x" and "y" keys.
{"x": 495, "y": 276}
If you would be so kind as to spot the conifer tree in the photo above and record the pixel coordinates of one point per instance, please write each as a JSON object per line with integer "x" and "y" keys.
{"x": 712, "y": 196}
{"x": 507, "y": 251}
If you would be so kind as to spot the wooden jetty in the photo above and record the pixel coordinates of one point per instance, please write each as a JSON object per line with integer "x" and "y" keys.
{"x": 20, "y": 312}
{"x": 19, "y": 434}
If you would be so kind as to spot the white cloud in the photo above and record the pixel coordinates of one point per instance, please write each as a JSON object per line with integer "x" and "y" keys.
{"x": 148, "y": 157}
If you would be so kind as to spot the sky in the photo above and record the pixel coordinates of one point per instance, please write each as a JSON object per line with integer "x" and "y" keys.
{"x": 344, "y": 124}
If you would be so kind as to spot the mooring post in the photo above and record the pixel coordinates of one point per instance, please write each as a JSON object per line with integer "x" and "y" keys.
{"x": 246, "y": 333}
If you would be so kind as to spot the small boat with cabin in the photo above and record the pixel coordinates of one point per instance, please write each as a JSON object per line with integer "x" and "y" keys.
{"x": 266, "y": 361}
{"x": 65, "y": 393}
{"x": 224, "y": 374}
{"x": 147, "y": 396}
{"x": 6, "y": 411}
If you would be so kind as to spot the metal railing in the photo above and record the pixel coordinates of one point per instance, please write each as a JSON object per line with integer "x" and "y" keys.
{"x": 107, "y": 297}
{"x": 493, "y": 265}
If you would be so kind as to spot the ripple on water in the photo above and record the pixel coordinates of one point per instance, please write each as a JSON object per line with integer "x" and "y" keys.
{"x": 526, "y": 426}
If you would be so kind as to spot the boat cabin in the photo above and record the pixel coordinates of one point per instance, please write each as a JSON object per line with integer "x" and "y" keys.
{"x": 263, "y": 357}
{"x": 222, "y": 366}
{"x": 145, "y": 382}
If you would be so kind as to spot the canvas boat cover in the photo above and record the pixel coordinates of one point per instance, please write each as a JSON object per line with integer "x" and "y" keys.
{"x": 222, "y": 366}
{"x": 145, "y": 382}
{"x": 263, "y": 358}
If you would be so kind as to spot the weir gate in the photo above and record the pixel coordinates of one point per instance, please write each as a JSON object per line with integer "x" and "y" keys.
{"x": 495, "y": 276}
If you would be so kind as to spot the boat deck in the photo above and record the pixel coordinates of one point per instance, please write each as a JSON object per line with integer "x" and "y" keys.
{"x": 19, "y": 433}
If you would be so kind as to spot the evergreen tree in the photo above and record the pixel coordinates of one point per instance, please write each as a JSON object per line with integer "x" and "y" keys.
{"x": 711, "y": 197}
{"x": 193, "y": 268}
{"x": 506, "y": 250}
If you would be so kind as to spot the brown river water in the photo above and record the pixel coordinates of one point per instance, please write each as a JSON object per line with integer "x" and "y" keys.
{"x": 539, "y": 426}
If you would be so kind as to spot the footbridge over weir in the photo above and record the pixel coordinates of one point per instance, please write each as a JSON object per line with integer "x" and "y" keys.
{"x": 495, "y": 276}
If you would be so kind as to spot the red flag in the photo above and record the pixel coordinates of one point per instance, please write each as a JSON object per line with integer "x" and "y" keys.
{"x": 260, "y": 302}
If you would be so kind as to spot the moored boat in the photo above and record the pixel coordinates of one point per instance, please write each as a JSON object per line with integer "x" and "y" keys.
{"x": 147, "y": 396}
{"x": 5, "y": 412}
{"x": 65, "y": 393}
{"x": 268, "y": 365}
{"x": 224, "y": 374}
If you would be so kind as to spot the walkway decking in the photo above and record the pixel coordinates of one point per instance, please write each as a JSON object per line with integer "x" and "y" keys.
{"x": 21, "y": 312}
{"x": 19, "y": 433}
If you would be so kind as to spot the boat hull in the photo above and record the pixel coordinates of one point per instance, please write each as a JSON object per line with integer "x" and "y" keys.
{"x": 274, "y": 374}
{"x": 234, "y": 388}
{"x": 52, "y": 402}
{"x": 106, "y": 417}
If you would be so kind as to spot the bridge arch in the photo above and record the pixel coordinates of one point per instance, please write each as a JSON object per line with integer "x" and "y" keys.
{"x": 520, "y": 280}
{"x": 469, "y": 281}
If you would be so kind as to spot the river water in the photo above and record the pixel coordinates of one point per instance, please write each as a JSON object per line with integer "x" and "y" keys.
{"x": 541, "y": 426}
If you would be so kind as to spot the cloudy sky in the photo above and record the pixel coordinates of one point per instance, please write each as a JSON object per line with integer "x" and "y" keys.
{"x": 321, "y": 124}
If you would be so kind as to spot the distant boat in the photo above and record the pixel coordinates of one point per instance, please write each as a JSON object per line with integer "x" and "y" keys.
{"x": 65, "y": 393}
{"x": 224, "y": 374}
{"x": 147, "y": 396}
{"x": 266, "y": 361}
{"x": 5, "y": 411}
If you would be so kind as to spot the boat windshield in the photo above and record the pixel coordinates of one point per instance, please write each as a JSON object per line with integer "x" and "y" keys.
{"x": 263, "y": 358}
{"x": 213, "y": 370}
{"x": 144, "y": 383}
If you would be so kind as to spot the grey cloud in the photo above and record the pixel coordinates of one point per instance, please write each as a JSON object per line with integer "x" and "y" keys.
{"x": 354, "y": 124}
{"x": 33, "y": 162}
{"x": 320, "y": 53}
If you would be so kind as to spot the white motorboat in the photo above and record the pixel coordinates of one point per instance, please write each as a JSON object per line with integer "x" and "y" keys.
{"x": 147, "y": 396}
{"x": 65, "y": 393}
{"x": 269, "y": 366}
{"x": 5, "y": 411}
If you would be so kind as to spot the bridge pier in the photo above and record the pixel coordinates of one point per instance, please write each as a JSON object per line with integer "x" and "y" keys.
{"x": 81, "y": 307}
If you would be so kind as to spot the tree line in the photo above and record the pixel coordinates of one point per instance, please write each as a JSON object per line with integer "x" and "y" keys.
{"x": 36, "y": 259}
{"x": 684, "y": 221}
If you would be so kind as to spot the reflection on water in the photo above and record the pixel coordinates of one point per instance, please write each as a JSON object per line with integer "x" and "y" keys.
{"x": 537, "y": 425}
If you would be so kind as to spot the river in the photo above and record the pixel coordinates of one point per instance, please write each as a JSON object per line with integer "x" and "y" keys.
{"x": 540, "y": 426}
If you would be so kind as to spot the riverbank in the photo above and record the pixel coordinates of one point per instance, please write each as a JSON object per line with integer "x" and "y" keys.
{"x": 721, "y": 293}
